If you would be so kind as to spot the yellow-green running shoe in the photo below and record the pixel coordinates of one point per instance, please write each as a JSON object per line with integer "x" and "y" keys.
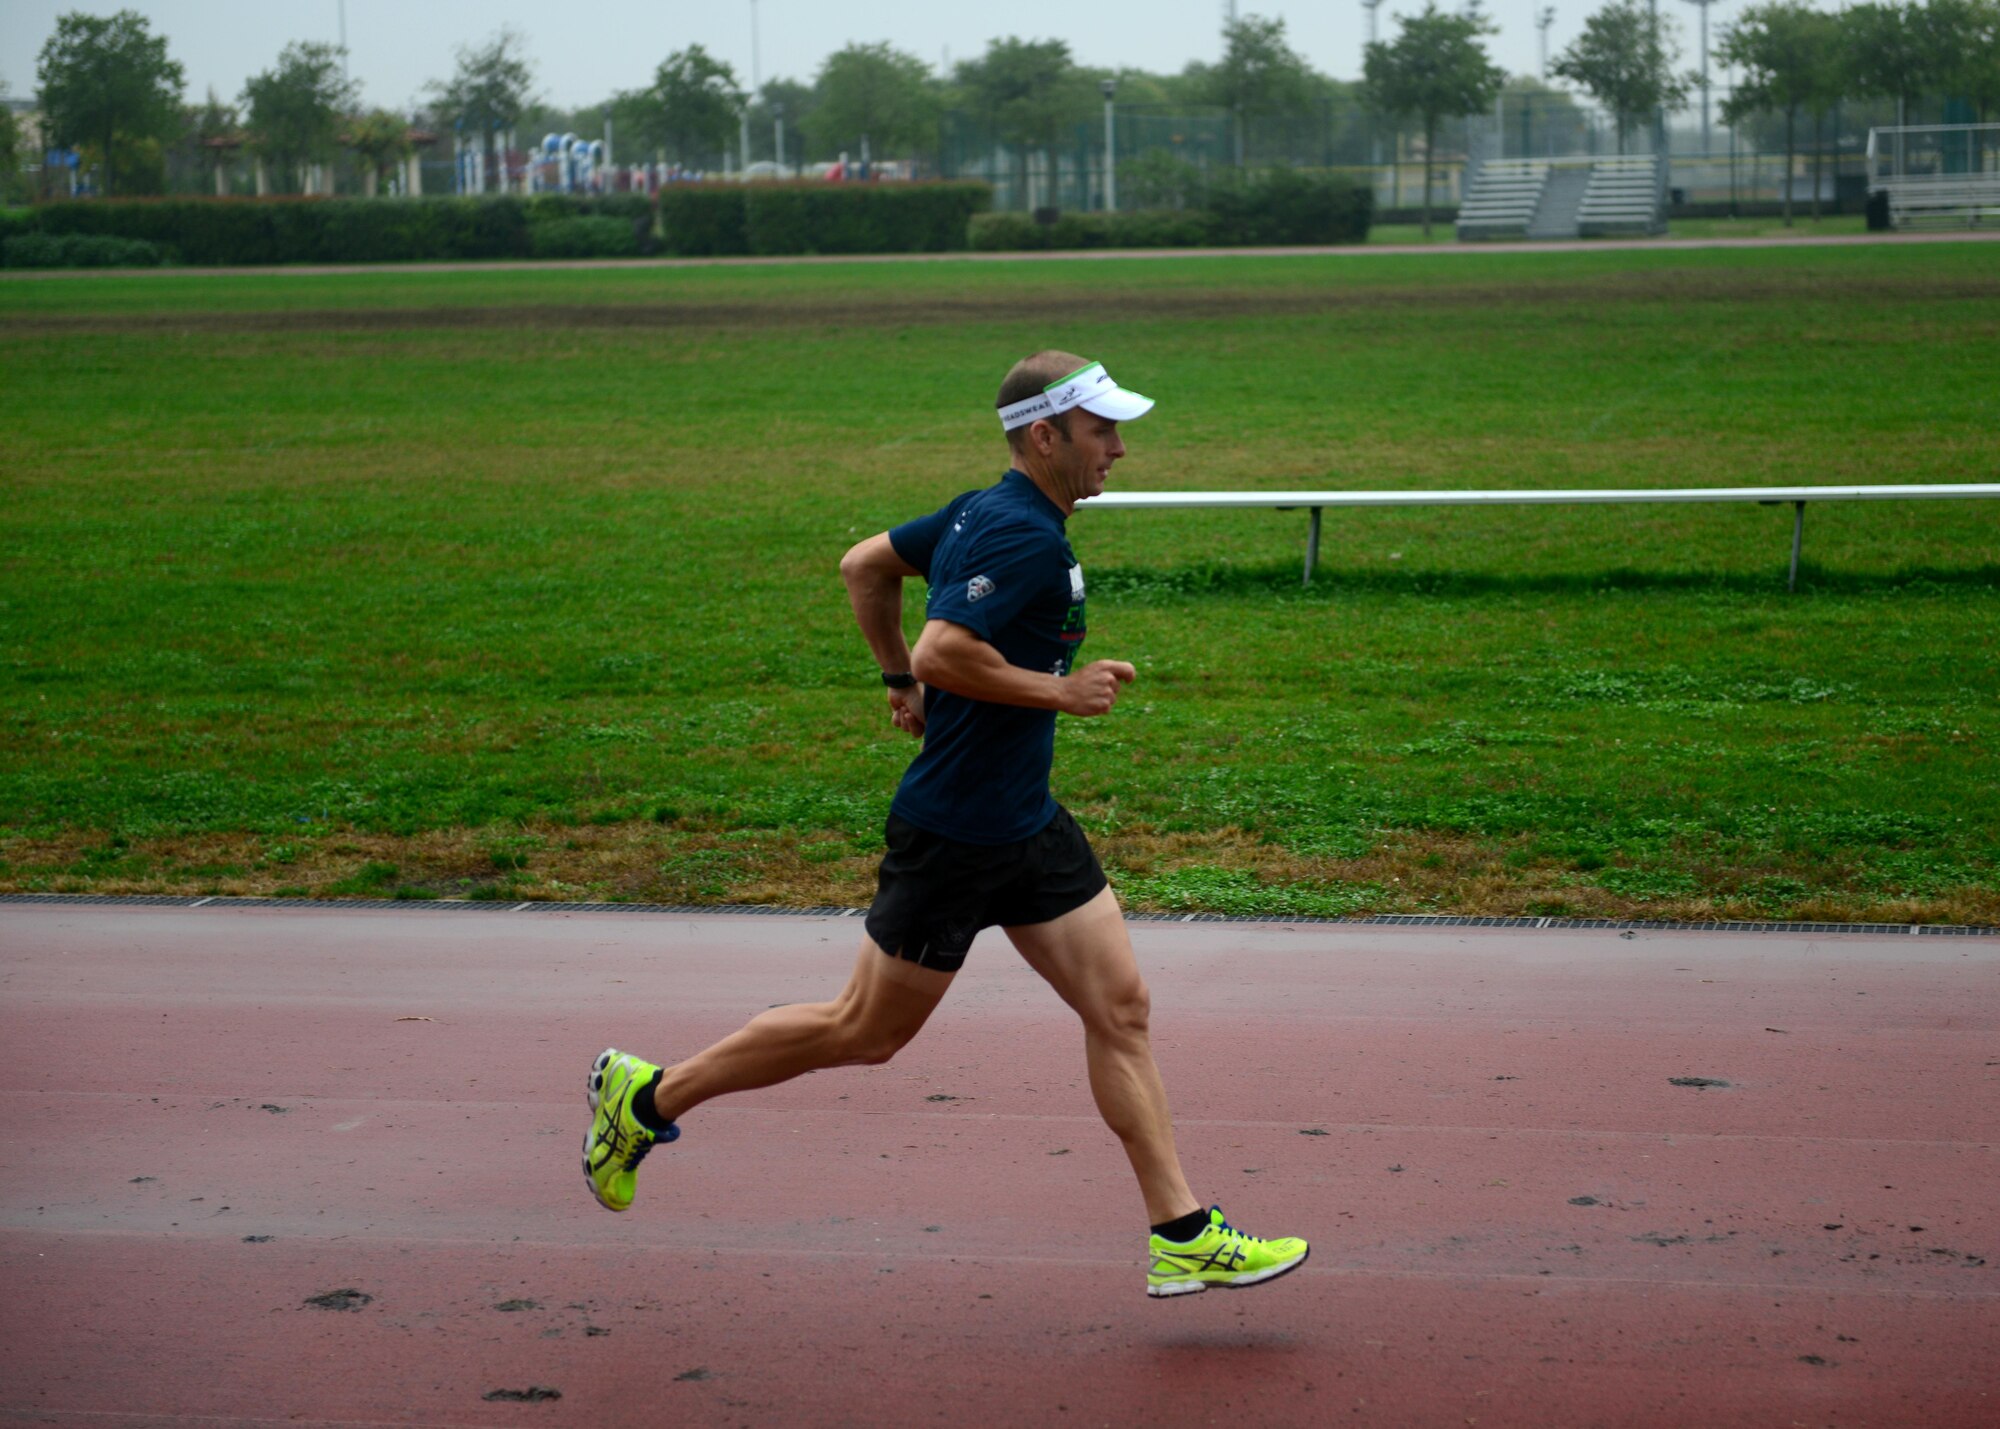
{"x": 1221, "y": 1256}
{"x": 616, "y": 1143}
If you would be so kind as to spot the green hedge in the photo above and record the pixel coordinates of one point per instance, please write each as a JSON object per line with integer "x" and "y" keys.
{"x": 77, "y": 250}
{"x": 700, "y": 221}
{"x": 1282, "y": 206}
{"x": 705, "y": 220}
{"x": 1010, "y": 232}
{"x": 584, "y": 238}
{"x": 1287, "y": 206}
{"x": 240, "y": 232}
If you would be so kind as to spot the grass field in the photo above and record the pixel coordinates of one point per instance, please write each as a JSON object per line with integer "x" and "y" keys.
{"x": 521, "y": 584}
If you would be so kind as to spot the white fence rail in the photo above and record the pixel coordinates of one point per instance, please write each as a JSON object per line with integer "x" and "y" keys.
{"x": 1317, "y": 501}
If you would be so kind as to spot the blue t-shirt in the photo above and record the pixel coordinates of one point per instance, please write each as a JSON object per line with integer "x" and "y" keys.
{"x": 999, "y": 564}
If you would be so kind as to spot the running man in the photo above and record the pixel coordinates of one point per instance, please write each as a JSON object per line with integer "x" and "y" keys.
{"x": 974, "y": 837}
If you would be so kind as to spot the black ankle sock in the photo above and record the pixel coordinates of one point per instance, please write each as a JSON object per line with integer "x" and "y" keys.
{"x": 644, "y": 1111}
{"x": 1183, "y": 1230}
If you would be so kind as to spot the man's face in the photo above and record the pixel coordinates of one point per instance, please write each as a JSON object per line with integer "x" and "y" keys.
{"x": 1084, "y": 461}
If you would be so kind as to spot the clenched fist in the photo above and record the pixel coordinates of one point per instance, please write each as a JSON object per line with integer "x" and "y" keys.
{"x": 906, "y": 710}
{"x": 1093, "y": 690}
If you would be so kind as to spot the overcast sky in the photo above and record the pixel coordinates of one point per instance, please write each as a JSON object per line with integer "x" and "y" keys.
{"x": 582, "y": 52}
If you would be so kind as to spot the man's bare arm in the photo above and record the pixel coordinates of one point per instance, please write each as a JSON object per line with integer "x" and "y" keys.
{"x": 952, "y": 658}
{"x": 874, "y": 576}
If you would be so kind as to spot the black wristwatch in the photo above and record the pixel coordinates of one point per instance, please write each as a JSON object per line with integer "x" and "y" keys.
{"x": 904, "y": 681}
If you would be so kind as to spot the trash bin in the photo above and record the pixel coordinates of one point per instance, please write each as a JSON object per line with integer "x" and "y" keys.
{"x": 1878, "y": 211}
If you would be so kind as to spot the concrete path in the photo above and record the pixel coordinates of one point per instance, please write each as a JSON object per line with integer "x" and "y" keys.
{"x": 321, "y": 1166}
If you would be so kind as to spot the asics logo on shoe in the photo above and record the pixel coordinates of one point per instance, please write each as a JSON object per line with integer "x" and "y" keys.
{"x": 617, "y": 1144}
{"x": 1226, "y": 1257}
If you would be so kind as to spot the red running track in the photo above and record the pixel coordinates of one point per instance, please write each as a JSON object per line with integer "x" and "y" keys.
{"x": 210, "y": 1117}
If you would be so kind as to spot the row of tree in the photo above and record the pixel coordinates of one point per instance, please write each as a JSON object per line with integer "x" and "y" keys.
{"x": 109, "y": 87}
{"x": 1794, "y": 60}
{"x": 1801, "y": 62}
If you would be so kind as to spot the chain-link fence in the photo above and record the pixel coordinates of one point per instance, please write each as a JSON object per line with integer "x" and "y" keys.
{"x": 1168, "y": 157}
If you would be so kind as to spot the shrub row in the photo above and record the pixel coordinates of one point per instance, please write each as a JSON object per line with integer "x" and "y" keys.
{"x": 1011, "y": 232}
{"x": 231, "y": 232}
{"x": 77, "y": 250}
{"x": 1281, "y": 206}
{"x": 704, "y": 220}
{"x": 588, "y": 237}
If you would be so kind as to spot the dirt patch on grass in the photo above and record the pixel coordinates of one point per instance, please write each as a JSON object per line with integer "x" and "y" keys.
{"x": 1224, "y": 870}
{"x": 1644, "y": 286}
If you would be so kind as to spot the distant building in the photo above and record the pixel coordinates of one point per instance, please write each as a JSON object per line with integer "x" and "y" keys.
{"x": 28, "y": 125}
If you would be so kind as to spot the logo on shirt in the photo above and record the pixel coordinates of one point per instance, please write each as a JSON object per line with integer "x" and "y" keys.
{"x": 978, "y": 588}
{"x": 1076, "y": 582}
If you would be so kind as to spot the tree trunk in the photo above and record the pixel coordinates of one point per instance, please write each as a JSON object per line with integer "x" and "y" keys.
{"x": 1818, "y": 154}
{"x": 1791, "y": 114}
{"x": 1430, "y": 149}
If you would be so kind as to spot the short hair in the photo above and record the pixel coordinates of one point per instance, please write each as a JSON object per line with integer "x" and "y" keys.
{"x": 1029, "y": 377}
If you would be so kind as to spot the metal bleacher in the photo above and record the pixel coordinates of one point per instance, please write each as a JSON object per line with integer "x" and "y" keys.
{"x": 1626, "y": 195}
{"x": 1563, "y": 198}
{"x": 1502, "y": 201}
{"x": 1936, "y": 173}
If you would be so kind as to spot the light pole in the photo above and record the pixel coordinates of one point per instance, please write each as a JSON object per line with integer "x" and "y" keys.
{"x": 1543, "y": 19}
{"x": 744, "y": 138}
{"x": 1653, "y": 56}
{"x": 1374, "y": 132}
{"x": 1704, "y": 4}
{"x": 1109, "y": 87}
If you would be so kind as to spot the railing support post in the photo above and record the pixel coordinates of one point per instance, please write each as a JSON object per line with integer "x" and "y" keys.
{"x": 1312, "y": 546}
{"x": 1798, "y": 539}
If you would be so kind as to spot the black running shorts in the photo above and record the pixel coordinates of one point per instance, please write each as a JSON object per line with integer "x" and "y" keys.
{"x": 934, "y": 894}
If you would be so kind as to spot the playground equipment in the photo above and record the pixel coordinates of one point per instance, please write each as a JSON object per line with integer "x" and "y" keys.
{"x": 568, "y": 164}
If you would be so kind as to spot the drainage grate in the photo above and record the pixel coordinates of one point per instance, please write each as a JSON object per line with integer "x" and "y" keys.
{"x": 448, "y": 905}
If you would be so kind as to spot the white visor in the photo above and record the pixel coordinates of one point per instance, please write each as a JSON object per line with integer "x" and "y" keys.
{"x": 1090, "y": 388}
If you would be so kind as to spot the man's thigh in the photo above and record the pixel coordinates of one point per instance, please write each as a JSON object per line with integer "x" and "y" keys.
{"x": 889, "y": 994}
{"x": 1085, "y": 955}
